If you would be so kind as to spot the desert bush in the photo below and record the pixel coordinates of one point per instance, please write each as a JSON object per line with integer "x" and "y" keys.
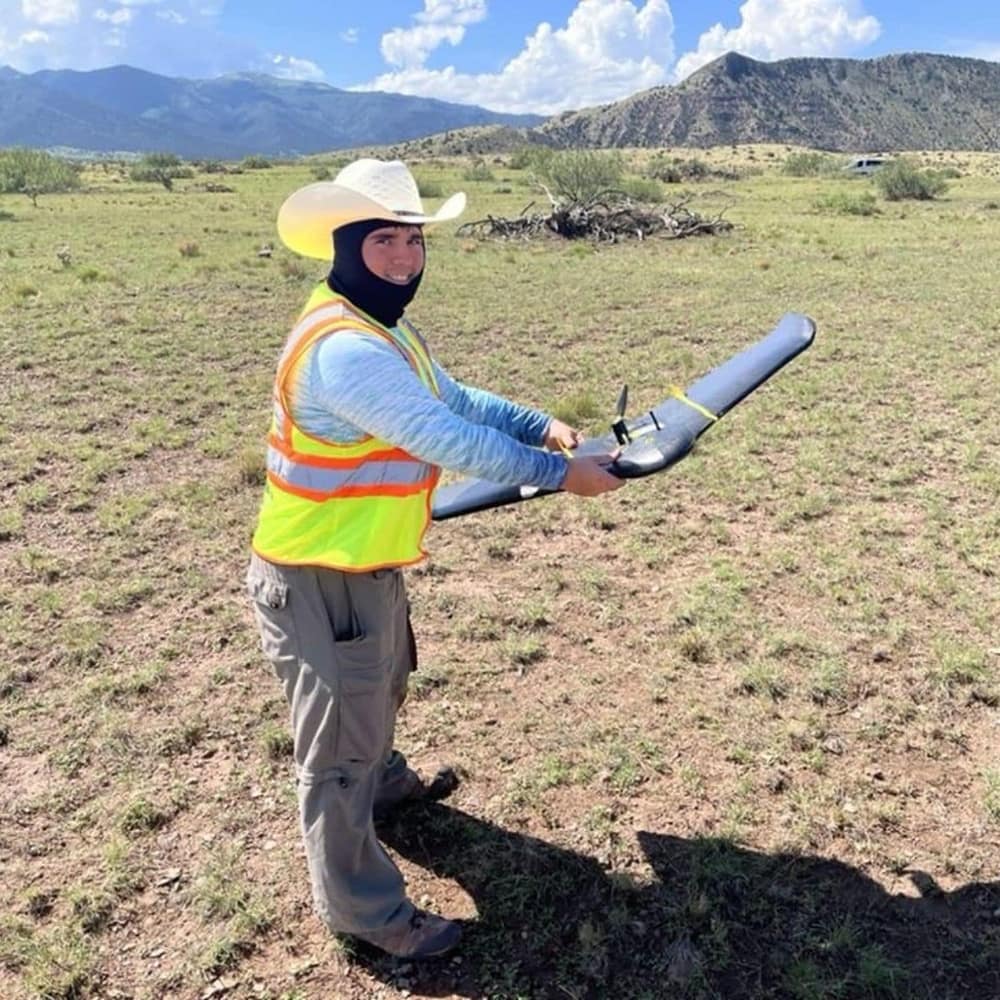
{"x": 478, "y": 171}
{"x": 160, "y": 168}
{"x": 676, "y": 170}
{"x": 429, "y": 188}
{"x": 580, "y": 175}
{"x": 34, "y": 172}
{"x": 531, "y": 157}
{"x": 255, "y": 163}
{"x": 673, "y": 169}
{"x": 808, "y": 164}
{"x": 848, "y": 204}
{"x": 904, "y": 180}
{"x": 642, "y": 188}
{"x": 321, "y": 173}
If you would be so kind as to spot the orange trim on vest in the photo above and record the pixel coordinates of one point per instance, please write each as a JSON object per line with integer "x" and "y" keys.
{"x": 387, "y": 490}
{"x": 372, "y": 568}
{"x": 383, "y": 455}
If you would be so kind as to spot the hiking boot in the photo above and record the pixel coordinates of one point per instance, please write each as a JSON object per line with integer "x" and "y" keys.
{"x": 424, "y": 935}
{"x": 411, "y": 787}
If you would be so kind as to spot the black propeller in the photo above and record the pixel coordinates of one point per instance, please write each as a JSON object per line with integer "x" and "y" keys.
{"x": 619, "y": 427}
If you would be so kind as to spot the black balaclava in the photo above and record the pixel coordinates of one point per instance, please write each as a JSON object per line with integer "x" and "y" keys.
{"x": 381, "y": 299}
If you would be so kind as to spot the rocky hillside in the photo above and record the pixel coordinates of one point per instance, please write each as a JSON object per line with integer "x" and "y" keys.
{"x": 899, "y": 102}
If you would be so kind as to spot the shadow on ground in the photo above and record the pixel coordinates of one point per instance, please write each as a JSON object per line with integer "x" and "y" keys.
{"x": 717, "y": 921}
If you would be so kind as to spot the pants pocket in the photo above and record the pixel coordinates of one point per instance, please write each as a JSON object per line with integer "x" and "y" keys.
{"x": 275, "y": 623}
{"x": 363, "y": 671}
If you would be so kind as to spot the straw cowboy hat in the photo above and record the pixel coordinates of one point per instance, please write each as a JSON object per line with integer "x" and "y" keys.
{"x": 364, "y": 189}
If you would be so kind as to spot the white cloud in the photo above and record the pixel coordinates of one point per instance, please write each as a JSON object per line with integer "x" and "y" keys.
{"x": 440, "y": 21}
{"x": 35, "y": 37}
{"x": 174, "y": 37}
{"x": 606, "y": 50}
{"x": 350, "y": 35}
{"x": 293, "y": 68}
{"x": 50, "y": 11}
{"x": 121, "y": 16}
{"x": 990, "y": 51}
{"x": 779, "y": 29}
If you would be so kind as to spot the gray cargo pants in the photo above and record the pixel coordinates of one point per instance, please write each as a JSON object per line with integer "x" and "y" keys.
{"x": 342, "y": 648}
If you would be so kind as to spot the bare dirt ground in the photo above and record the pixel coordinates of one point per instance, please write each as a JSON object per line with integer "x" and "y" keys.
{"x": 734, "y": 733}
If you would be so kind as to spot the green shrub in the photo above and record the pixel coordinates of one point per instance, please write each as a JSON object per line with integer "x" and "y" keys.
{"x": 904, "y": 180}
{"x": 479, "y": 171}
{"x": 579, "y": 176}
{"x": 255, "y": 163}
{"x": 808, "y": 164}
{"x": 429, "y": 188}
{"x": 531, "y": 158}
{"x": 160, "y": 168}
{"x": 676, "y": 170}
{"x": 848, "y": 204}
{"x": 668, "y": 169}
{"x": 642, "y": 189}
{"x": 34, "y": 172}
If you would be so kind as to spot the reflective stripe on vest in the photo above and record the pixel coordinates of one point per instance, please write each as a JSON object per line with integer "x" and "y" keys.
{"x": 319, "y": 482}
{"x": 353, "y": 506}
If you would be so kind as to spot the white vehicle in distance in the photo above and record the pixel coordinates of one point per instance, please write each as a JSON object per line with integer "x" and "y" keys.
{"x": 865, "y": 165}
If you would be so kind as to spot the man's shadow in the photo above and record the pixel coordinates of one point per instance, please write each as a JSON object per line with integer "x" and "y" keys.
{"x": 716, "y": 921}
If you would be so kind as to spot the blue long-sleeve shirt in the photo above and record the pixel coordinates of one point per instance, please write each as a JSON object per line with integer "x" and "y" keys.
{"x": 354, "y": 385}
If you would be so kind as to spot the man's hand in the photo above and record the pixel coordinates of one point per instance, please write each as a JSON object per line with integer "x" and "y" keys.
{"x": 560, "y": 436}
{"x": 588, "y": 477}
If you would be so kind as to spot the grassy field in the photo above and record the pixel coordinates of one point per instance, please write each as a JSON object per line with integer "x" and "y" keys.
{"x": 732, "y": 733}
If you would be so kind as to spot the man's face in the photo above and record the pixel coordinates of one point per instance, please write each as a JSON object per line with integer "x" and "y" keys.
{"x": 394, "y": 253}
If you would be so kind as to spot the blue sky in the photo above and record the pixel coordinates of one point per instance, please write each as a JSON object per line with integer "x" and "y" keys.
{"x": 540, "y": 56}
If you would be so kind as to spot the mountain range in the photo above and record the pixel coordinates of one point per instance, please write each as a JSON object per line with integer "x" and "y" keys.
{"x": 126, "y": 109}
{"x": 910, "y": 101}
{"x": 896, "y": 102}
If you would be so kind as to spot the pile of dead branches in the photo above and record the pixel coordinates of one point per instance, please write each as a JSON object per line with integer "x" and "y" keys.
{"x": 608, "y": 218}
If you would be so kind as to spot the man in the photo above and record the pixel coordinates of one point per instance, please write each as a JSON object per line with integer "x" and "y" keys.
{"x": 364, "y": 419}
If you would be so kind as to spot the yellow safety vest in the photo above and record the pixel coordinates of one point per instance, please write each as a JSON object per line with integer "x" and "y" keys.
{"x": 356, "y": 507}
